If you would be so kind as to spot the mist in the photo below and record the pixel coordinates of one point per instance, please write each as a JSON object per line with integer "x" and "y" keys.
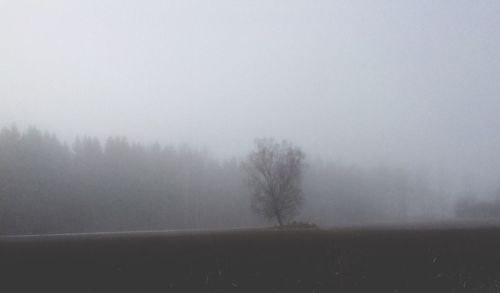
{"x": 394, "y": 103}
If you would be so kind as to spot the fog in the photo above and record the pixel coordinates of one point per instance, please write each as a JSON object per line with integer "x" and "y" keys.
{"x": 393, "y": 98}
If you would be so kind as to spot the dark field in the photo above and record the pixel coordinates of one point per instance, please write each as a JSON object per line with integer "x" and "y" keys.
{"x": 369, "y": 260}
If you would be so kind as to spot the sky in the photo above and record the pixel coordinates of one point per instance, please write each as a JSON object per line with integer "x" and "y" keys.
{"x": 407, "y": 83}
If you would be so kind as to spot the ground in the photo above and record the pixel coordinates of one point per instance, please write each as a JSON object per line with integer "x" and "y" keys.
{"x": 404, "y": 259}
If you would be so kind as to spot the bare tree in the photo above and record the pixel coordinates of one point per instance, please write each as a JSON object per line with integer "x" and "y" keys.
{"x": 275, "y": 178}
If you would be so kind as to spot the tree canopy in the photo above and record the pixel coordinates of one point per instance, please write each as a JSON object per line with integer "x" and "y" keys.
{"x": 275, "y": 178}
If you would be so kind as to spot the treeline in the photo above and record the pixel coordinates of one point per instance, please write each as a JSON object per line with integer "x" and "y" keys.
{"x": 471, "y": 208}
{"x": 47, "y": 186}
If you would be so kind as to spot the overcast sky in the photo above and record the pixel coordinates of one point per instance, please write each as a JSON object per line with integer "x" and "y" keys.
{"x": 403, "y": 82}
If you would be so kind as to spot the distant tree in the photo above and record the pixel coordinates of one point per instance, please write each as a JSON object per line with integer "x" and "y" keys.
{"x": 474, "y": 209}
{"x": 275, "y": 178}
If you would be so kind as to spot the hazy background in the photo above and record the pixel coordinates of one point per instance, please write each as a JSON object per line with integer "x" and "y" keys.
{"x": 407, "y": 84}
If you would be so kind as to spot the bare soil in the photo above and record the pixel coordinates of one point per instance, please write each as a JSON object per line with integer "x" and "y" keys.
{"x": 417, "y": 259}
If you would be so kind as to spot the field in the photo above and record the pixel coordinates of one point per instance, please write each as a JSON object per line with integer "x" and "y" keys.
{"x": 412, "y": 259}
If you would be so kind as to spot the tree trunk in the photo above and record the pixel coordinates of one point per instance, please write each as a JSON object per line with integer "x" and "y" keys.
{"x": 280, "y": 221}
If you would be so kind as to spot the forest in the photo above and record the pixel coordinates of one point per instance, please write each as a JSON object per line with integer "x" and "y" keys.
{"x": 51, "y": 186}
